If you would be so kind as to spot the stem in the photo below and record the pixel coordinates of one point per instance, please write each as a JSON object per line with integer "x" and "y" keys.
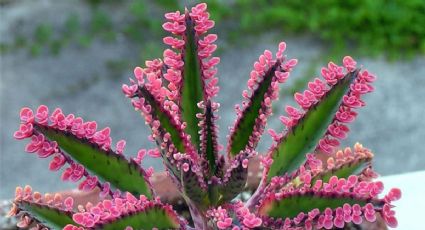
{"x": 255, "y": 198}
{"x": 198, "y": 217}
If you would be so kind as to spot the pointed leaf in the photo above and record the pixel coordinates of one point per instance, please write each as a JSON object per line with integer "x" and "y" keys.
{"x": 324, "y": 205}
{"x": 244, "y": 127}
{"x": 178, "y": 163}
{"x": 291, "y": 206}
{"x": 235, "y": 179}
{"x": 154, "y": 217}
{"x": 46, "y": 215}
{"x": 209, "y": 138}
{"x": 355, "y": 167}
{"x": 235, "y": 183}
{"x": 301, "y": 139}
{"x": 192, "y": 88}
{"x": 192, "y": 188}
{"x": 112, "y": 167}
{"x": 165, "y": 119}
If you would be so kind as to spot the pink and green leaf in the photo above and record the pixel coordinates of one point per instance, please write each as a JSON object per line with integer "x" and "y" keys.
{"x": 355, "y": 167}
{"x": 263, "y": 88}
{"x": 291, "y": 206}
{"x": 244, "y": 127}
{"x": 209, "y": 145}
{"x": 235, "y": 178}
{"x": 327, "y": 204}
{"x": 194, "y": 189}
{"x": 192, "y": 87}
{"x": 108, "y": 165}
{"x": 164, "y": 118}
{"x": 154, "y": 217}
{"x": 46, "y": 210}
{"x": 45, "y": 215}
{"x": 289, "y": 153}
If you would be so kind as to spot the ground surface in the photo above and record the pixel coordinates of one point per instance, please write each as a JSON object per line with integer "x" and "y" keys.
{"x": 392, "y": 124}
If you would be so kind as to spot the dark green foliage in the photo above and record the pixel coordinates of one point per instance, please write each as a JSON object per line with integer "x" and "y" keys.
{"x": 192, "y": 87}
{"x": 374, "y": 27}
{"x": 72, "y": 25}
{"x": 378, "y": 26}
{"x": 43, "y": 34}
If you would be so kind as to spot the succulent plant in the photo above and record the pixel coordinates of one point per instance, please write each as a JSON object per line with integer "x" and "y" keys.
{"x": 305, "y": 182}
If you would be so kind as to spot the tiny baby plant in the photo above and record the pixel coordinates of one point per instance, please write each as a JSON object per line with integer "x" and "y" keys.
{"x": 175, "y": 95}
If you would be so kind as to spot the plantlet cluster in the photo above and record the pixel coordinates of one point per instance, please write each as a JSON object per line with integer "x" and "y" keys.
{"x": 306, "y": 183}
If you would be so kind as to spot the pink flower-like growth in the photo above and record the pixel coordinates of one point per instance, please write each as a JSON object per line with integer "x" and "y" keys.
{"x": 89, "y": 184}
{"x": 248, "y": 219}
{"x": 120, "y": 146}
{"x": 221, "y": 217}
{"x": 74, "y": 173}
{"x": 25, "y": 131}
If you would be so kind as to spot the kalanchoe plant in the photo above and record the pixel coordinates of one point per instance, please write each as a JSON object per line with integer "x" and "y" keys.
{"x": 176, "y": 95}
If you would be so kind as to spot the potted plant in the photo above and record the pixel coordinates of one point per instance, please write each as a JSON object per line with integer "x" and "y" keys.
{"x": 305, "y": 182}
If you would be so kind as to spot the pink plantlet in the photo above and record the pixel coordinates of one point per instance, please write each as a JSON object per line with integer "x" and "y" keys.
{"x": 102, "y": 138}
{"x": 42, "y": 115}
{"x": 154, "y": 153}
{"x": 35, "y": 144}
{"x": 25, "y": 131}
{"x": 47, "y": 149}
{"x": 88, "y": 184}
{"x": 57, "y": 162}
{"x": 349, "y": 63}
{"x": 120, "y": 146}
{"x": 73, "y": 173}
{"x": 27, "y": 116}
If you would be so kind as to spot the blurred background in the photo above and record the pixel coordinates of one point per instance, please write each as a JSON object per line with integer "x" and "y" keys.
{"x": 76, "y": 54}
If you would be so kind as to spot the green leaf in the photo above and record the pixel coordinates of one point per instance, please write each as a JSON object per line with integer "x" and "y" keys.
{"x": 189, "y": 180}
{"x": 244, "y": 127}
{"x": 291, "y": 206}
{"x": 290, "y": 153}
{"x": 210, "y": 142}
{"x": 46, "y": 215}
{"x": 344, "y": 171}
{"x": 109, "y": 166}
{"x": 192, "y": 188}
{"x": 165, "y": 119}
{"x": 155, "y": 217}
{"x": 235, "y": 184}
{"x": 192, "y": 89}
